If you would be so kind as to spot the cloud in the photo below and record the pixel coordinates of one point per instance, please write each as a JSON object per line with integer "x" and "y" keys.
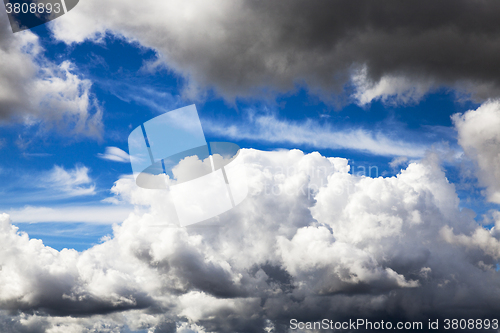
{"x": 481, "y": 239}
{"x": 56, "y": 184}
{"x": 115, "y": 154}
{"x": 73, "y": 182}
{"x": 65, "y": 100}
{"x": 311, "y": 241}
{"x": 141, "y": 92}
{"x": 249, "y": 48}
{"x": 102, "y": 214}
{"x": 389, "y": 89}
{"x": 36, "y": 91}
{"x": 28, "y": 155}
{"x": 398, "y": 161}
{"x": 310, "y": 133}
{"x": 479, "y": 136}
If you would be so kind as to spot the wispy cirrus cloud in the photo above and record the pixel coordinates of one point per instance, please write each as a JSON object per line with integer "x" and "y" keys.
{"x": 115, "y": 154}
{"x": 72, "y": 182}
{"x": 59, "y": 183}
{"x": 137, "y": 90}
{"x": 310, "y": 133}
{"x": 101, "y": 214}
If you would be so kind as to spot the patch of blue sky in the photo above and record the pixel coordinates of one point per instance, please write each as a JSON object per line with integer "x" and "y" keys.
{"x": 131, "y": 95}
{"x": 78, "y": 236}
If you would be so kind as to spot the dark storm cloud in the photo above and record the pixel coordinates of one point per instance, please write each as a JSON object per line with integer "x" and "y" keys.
{"x": 242, "y": 48}
{"x": 446, "y": 42}
{"x": 54, "y": 296}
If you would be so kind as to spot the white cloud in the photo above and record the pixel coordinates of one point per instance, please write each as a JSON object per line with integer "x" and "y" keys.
{"x": 37, "y": 91}
{"x": 115, "y": 154}
{"x": 268, "y": 128}
{"x": 64, "y": 99}
{"x": 38, "y": 188}
{"x": 139, "y": 91}
{"x": 102, "y": 214}
{"x": 481, "y": 239}
{"x": 73, "y": 182}
{"x": 398, "y": 161}
{"x": 479, "y": 136}
{"x": 311, "y": 240}
{"x": 389, "y": 89}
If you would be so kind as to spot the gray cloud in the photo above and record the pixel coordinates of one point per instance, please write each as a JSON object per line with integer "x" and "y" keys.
{"x": 243, "y": 48}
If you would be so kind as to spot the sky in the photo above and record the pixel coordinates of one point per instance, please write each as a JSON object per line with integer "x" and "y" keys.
{"x": 369, "y": 136}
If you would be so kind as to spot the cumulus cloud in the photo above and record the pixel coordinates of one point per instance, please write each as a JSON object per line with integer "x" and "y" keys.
{"x": 36, "y": 91}
{"x": 245, "y": 48}
{"x": 311, "y": 241}
{"x": 479, "y": 136}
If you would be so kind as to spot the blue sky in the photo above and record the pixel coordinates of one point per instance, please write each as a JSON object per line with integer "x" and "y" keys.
{"x": 130, "y": 94}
